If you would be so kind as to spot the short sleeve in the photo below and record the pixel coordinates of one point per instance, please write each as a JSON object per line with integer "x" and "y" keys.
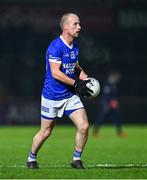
{"x": 54, "y": 53}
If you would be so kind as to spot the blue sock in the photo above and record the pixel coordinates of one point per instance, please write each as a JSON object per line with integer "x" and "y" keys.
{"x": 77, "y": 155}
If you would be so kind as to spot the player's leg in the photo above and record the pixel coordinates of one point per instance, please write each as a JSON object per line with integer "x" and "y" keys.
{"x": 48, "y": 114}
{"x": 39, "y": 138}
{"x": 42, "y": 135}
{"x": 116, "y": 118}
{"x": 80, "y": 120}
{"x": 75, "y": 110}
{"x": 118, "y": 124}
{"x": 99, "y": 122}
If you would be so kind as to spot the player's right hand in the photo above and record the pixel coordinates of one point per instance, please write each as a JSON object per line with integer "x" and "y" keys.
{"x": 114, "y": 104}
{"x": 81, "y": 88}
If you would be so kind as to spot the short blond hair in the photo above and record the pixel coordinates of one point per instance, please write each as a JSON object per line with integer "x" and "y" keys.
{"x": 64, "y": 18}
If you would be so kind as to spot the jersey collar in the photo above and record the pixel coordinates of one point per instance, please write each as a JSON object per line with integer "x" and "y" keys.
{"x": 70, "y": 47}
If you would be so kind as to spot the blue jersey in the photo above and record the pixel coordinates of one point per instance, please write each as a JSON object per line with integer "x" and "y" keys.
{"x": 109, "y": 92}
{"x": 60, "y": 52}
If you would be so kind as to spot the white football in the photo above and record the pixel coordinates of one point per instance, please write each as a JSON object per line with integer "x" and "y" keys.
{"x": 94, "y": 85}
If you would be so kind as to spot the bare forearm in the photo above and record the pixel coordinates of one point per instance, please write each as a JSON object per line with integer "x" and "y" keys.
{"x": 63, "y": 78}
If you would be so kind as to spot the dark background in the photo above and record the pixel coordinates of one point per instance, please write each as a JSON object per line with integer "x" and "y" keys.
{"x": 113, "y": 36}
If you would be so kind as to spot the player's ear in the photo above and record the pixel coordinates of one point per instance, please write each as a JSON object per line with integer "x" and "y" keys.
{"x": 65, "y": 26}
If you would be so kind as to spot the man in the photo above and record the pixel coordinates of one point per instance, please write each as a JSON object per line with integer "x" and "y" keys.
{"x": 109, "y": 103}
{"x": 60, "y": 88}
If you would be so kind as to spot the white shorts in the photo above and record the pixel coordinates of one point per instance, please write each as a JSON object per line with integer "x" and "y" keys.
{"x": 50, "y": 109}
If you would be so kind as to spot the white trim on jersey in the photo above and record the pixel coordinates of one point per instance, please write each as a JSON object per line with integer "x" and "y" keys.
{"x": 54, "y": 57}
{"x": 70, "y": 47}
{"x": 55, "y": 60}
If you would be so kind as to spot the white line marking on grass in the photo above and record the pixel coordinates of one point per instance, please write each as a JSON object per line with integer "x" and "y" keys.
{"x": 118, "y": 165}
{"x": 88, "y": 166}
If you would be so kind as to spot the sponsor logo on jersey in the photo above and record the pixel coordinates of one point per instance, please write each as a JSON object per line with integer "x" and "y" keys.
{"x": 69, "y": 68}
{"x": 72, "y": 54}
{"x": 66, "y": 55}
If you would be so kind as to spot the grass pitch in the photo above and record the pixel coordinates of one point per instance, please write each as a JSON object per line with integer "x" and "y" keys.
{"x": 106, "y": 156}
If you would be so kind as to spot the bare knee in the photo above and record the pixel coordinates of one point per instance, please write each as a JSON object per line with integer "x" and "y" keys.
{"x": 45, "y": 133}
{"x": 84, "y": 128}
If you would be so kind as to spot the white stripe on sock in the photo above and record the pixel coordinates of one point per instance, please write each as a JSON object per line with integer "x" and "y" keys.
{"x": 76, "y": 158}
{"x": 31, "y": 159}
